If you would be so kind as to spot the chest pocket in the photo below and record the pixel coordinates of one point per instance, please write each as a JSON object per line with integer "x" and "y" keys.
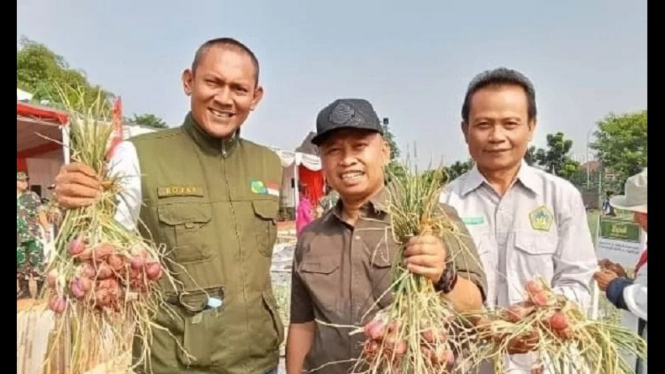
{"x": 264, "y": 225}
{"x": 188, "y": 231}
{"x": 533, "y": 255}
{"x": 322, "y": 277}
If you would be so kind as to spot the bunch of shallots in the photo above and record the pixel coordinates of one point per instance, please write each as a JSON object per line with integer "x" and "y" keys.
{"x": 559, "y": 334}
{"x": 104, "y": 276}
{"x": 103, "y": 280}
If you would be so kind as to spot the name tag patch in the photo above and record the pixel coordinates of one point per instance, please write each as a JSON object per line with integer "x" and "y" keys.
{"x": 180, "y": 191}
{"x": 260, "y": 188}
{"x": 475, "y": 220}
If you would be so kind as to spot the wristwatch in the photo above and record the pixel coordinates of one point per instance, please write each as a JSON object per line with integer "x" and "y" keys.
{"x": 448, "y": 279}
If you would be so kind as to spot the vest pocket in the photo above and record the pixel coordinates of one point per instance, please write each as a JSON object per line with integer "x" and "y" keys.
{"x": 187, "y": 230}
{"x": 277, "y": 324}
{"x": 265, "y": 225}
{"x": 197, "y": 341}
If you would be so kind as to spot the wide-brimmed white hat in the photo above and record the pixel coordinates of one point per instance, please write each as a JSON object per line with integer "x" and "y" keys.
{"x": 635, "y": 198}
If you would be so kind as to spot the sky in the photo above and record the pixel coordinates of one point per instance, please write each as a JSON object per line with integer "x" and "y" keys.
{"x": 412, "y": 60}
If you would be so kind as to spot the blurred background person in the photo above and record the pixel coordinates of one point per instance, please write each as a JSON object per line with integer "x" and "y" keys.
{"x": 305, "y": 211}
{"x": 623, "y": 292}
{"x": 31, "y": 222}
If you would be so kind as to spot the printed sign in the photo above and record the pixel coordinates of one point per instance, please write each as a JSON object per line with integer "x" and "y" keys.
{"x": 619, "y": 241}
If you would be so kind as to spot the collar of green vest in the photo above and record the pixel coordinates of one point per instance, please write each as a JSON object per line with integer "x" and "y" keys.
{"x": 203, "y": 139}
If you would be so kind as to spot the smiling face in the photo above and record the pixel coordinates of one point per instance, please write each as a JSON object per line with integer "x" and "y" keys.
{"x": 353, "y": 162}
{"x": 499, "y": 129}
{"x": 223, "y": 90}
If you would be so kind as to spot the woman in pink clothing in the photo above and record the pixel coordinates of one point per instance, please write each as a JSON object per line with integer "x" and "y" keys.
{"x": 305, "y": 211}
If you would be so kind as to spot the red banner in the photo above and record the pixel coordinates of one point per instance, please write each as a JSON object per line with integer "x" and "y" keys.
{"x": 29, "y": 110}
{"x": 21, "y": 164}
{"x": 117, "y": 126}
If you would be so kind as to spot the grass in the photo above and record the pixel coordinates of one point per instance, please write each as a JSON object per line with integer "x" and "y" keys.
{"x": 592, "y": 220}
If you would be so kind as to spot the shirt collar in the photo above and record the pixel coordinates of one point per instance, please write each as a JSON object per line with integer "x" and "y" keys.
{"x": 528, "y": 177}
{"x": 372, "y": 209}
{"x": 525, "y": 176}
{"x": 203, "y": 139}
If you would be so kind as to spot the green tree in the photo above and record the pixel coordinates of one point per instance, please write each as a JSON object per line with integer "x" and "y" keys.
{"x": 586, "y": 176}
{"x": 555, "y": 158}
{"x": 530, "y": 155}
{"x": 458, "y": 168}
{"x": 41, "y": 71}
{"x": 149, "y": 120}
{"x": 394, "y": 167}
{"x": 438, "y": 176}
{"x": 390, "y": 138}
{"x": 621, "y": 144}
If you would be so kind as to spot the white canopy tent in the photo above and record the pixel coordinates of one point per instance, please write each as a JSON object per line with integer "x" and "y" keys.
{"x": 23, "y": 95}
{"x": 290, "y": 162}
{"x": 39, "y": 137}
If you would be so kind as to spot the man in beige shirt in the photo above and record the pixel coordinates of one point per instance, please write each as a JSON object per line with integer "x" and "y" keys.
{"x": 526, "y": 223}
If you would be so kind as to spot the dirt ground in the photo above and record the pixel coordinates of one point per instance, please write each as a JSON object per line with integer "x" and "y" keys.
{"x": 286, "y": 225}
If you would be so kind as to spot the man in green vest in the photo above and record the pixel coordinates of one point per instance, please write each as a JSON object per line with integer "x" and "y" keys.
{"x": 213, "y": 198}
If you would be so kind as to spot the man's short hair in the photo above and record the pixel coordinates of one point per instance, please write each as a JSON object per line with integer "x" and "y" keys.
{"x": 500, "y": 77}
{"x": 225, "y": 43}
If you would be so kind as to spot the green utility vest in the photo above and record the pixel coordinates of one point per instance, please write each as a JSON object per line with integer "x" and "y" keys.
{"x": 214, "y": 205}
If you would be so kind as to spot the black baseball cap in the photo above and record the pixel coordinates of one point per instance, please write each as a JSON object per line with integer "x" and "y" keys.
{"x": 346, "y": 114}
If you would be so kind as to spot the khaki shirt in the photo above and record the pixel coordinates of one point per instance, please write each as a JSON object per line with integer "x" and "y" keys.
{"x": 341, "y": 275}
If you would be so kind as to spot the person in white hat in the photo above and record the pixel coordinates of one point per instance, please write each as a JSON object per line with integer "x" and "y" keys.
{"x": 625, "y": 293}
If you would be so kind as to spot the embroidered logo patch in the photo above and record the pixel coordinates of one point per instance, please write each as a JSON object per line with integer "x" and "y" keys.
{"x": 341, "y": 114}
{"x": 260, "y": 188}
{"x": 541, "y": 219}
{"x": 179, "y": 191}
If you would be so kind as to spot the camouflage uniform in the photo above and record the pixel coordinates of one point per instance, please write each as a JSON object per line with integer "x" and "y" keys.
{"x": 29, "y": 250}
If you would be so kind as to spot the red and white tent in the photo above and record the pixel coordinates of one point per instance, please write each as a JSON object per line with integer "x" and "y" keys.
{"x": 39, "y": 135}
{"x": 42, "y": 141}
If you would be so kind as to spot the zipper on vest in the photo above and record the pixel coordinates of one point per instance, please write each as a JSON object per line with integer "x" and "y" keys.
{"x": 226, "y": 146}
{"x": 241, "y": 267}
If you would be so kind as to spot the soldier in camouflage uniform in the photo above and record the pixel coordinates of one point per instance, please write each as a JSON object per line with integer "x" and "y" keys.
{"x": 29, "y": 250}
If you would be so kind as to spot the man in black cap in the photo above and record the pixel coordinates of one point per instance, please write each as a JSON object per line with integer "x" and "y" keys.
{"x": 342, "y": 261}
